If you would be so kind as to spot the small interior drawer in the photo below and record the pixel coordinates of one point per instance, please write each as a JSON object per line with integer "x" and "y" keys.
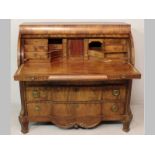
{"x": 115, "y": 48}
{"x": 36, "y": 55}
{"x": 113, "y": 55}
{"x": 34, "y": 48}
{"x": 115, "y": 45}
{"x": 36, "y": 41}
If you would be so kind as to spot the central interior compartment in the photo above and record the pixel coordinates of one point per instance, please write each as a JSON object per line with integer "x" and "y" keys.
{"x": 75, "y": 47}
{"x": 55, "y": 46}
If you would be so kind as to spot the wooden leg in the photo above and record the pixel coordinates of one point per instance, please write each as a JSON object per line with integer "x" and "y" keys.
{"x": 126, "y": 126}
{"x": 126, "y": 123}
{"x": 24, "y": 124}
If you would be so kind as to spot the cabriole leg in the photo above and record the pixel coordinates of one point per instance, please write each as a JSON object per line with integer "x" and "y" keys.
{"x": 126, "y": 123}
{"x": 126, "y": 126}
{"x": 24, "y": 124}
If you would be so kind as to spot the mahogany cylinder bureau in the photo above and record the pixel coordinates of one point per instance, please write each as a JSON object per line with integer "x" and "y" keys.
{"x": 75, "y": 75}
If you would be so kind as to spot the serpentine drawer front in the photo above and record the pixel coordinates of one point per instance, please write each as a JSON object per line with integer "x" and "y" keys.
{"x": 75, "y": 102}
{"x": 75, "y": 75}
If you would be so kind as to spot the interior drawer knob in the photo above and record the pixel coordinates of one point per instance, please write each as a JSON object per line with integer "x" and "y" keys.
{"x": 114, "y": 108}
{"x": 37, "y": 108}
{"x": 116, "y": 92}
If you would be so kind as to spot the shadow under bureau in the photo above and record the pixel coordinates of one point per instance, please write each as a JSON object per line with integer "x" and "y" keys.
{"x": 75, "y": 75}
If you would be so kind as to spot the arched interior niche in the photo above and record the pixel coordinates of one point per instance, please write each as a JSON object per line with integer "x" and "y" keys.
{"x": 95, "y": 45}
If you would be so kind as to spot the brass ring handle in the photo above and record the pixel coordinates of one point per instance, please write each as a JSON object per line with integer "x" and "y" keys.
{"x": 114, "y": 108}
{"x": 116, "y": 92}
{"x": 36, "y": 94}
{"x": 37, "y": 108}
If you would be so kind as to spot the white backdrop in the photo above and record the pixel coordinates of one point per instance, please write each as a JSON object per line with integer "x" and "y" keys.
{"x": 138, "y": 35}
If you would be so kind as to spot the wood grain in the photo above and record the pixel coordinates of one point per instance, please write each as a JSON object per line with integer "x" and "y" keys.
{"x": 75, "y": 75}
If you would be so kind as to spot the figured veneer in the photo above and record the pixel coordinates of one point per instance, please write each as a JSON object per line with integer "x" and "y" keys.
{"x": 75, "y": 75}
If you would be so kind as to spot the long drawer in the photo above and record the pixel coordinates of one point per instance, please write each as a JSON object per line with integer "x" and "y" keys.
{"x": 76, "y": 93}
{"x": 76, "y": 101}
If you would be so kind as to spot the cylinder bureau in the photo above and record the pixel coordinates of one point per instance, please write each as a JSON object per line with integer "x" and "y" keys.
{"x": 75, "y": 75}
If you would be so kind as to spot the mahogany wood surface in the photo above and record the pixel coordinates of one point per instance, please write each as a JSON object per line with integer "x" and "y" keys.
{"x": 75, "y": 75}
{"x": 75, "y": 70}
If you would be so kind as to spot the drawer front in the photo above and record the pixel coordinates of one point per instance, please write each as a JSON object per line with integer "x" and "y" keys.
{"x": 77, "y": 94}
{"x": 114, "y": 48}
{"x": 117, "y": 92}
{"x": 60, "y": 109}
{"x": 115, "y": 45}
{"x": 111, "y": 109}
{"x": 75, "y": 110}
{"x": 36, "y": 41}
{"x": 37, "y": 94}
{"x": 77, "y": 102}
{"x": 36, "y": 55}
{"x": 116, "y": 56}
{"x": 38, "y": 109}
{"x": 34, "y": 48}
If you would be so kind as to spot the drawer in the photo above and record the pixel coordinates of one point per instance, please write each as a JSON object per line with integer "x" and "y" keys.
{"x": 37, "y": 94}
{"x": 114, "y": 55}
{"x": 34, "y": 48}
{"x": 110, "y": 109}
{"x": 115, "y": 48}
{"x": 76, "y": 93}
{"x": 115, "y": 41}
{"x": 36, "y": 55}
{"x": 115, "y": 45}
{"x": 37, "y": 109}
{"x": 117, "y": 92}
{"x": 36, "y": 41}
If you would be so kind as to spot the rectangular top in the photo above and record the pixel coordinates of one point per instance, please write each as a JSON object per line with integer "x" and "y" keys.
{"x": 75, "y": 70}
{"x": 74, "y": 28}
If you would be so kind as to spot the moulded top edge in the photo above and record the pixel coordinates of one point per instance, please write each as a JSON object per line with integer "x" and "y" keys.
{"x": 90, "y": 29}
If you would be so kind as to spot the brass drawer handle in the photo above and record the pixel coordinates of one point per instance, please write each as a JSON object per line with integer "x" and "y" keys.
{"x": 37, "y": 108}
{"x": 114, "y": 108}
{"x": 116, "y": 92}
{"x": 36, "y": 94}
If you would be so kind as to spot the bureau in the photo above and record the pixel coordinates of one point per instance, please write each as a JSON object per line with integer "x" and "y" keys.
{"x": 75, "y": 75}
